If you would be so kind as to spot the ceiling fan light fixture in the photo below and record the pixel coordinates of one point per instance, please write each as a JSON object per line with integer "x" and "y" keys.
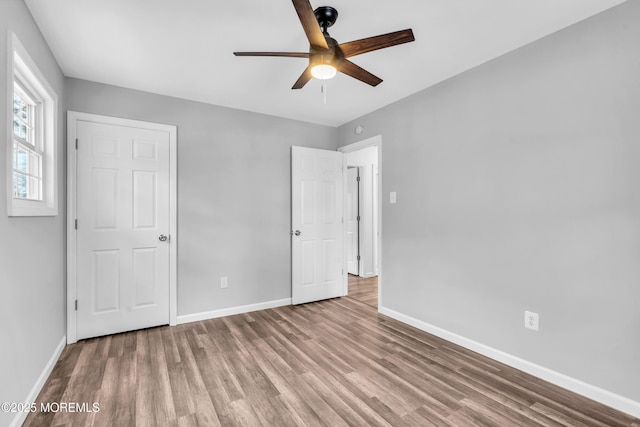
{"x": 323, "y": 71}
{"x": 323, "y": 66}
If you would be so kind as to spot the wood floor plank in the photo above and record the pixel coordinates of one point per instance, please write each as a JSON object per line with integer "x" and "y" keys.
{"x": 180, "y": 391}
{"x": 109, "y": 392}
{"x": 189, "y": 366}
{"x": 67, "y": 362}
{"x": 433, "y": 417}
{"x": 334, "y": 399}
{"x": 52, "y": 391}
{"x": 220, "y": 401}
{"x": 375, "y": 392}
{"x": 355, "y": 399}
{"x": 441, "y": 401}
{"x": 331, "y": 363}
{"x": 204, "y": 411}
{"x": 325, "y": 413}
{"x": 243, "y": 413}
{"x": 507, "y": 404}
{"x": 144, "y": 394}
{"x": 289, "y": 387}
{"x": 125, "y": 409}
{"x": 417, "y": 418}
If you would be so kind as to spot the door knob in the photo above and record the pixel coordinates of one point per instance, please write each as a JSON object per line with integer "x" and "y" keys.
{"x": 163, "y": 238}
{"x": 297, "y": 233}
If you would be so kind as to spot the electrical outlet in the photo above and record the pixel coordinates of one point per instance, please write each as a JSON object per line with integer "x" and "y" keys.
{"x": 531, "y": 320}
{"x": 224, "y": 282}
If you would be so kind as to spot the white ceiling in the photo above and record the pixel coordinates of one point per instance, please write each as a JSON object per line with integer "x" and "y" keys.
{"x": 183, "y": 48}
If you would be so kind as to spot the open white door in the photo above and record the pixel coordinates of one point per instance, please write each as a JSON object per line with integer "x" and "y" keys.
{"x": 317, "y": 237}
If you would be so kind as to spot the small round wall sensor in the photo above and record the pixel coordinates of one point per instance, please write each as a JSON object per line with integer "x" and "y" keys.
{"x": 358, "y": 130}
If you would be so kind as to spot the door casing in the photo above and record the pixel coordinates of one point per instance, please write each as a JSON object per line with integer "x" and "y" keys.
{"x": 357, "y": 201}
{"x": 72, "y": 118}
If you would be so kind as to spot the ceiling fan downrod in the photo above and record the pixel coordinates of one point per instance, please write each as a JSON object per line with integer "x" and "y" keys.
{"x": 326, "y": 17}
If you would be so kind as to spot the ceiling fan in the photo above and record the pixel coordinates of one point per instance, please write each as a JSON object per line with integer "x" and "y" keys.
{"x": 326, "y": 56}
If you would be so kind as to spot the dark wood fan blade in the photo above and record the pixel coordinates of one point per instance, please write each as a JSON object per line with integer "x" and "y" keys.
{"x": 349, "y": 68}
{"x": 304, "y": 79}
{"x": 310, "y": 24}
{"x": 369, "y": 44}
{"x": 280, "y": 54}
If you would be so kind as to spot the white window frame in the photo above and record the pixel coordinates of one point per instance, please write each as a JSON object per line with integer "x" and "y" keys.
{"x": 31, "y": 144}
{"x": 23, "y": 70}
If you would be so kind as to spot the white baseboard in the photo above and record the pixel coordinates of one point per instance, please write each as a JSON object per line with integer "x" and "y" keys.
{"x": 37, "y": 387}
{"x": 187, "y": 318}
{"x": 605, "y": 397}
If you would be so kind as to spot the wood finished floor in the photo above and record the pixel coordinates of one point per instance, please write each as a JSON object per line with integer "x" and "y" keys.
{"x": 331, "y": 363}
{"x": 364, "y": 289}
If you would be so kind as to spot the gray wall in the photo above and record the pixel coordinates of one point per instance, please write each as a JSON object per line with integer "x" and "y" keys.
{"x": 31, "y": 299}
{"x": 233, "y": 191}
{"x": 519, "y": 189}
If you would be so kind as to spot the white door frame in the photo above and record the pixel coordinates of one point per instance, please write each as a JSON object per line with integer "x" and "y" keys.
{"x": 72, "y": 118}
{"x": 360, "y": 197}
{"x": 375, "y": 141}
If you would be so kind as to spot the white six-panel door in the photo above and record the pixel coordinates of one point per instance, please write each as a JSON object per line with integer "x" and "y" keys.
{"x": 123, "y": 228}
{"x": 317, "y": 259}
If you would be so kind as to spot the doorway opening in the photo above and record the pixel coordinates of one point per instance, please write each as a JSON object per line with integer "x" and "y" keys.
{"x": 363, "y": 219}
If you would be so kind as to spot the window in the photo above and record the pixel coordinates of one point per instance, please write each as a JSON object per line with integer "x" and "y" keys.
{"x": 32, "y": 134}
{"x": 27, "y": 151}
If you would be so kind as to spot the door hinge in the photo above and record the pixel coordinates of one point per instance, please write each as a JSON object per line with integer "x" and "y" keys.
{"x": 76, "y": 305}
{"x": 358, "y": 218}
{"x": 357, "y": 179}
{"x": 76, "y": 143}
{"x": 358, "y": 257}
{"x": 76, "y": 223}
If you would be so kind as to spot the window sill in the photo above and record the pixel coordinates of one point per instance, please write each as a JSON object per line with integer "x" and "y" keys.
{"x": 30, "y": 208}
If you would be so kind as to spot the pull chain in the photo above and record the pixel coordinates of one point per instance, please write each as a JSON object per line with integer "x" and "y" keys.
{"x": 323, "y": 89}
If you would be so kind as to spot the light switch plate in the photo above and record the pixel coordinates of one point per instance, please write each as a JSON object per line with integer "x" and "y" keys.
{"x": 392, "y": 197}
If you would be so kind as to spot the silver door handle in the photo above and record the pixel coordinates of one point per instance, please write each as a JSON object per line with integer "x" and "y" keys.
{"x": 297, "y": 233}
{"x": 163, "y": 238}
